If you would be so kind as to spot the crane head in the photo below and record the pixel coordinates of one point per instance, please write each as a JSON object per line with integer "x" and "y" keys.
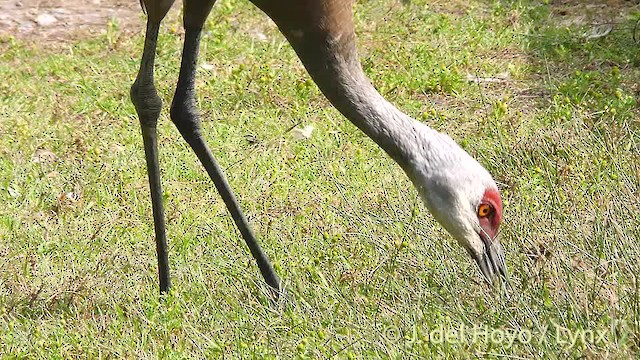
{"x": 464, "y": 198}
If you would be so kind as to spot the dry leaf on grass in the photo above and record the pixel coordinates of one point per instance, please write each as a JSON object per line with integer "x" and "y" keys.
{"x": 68, "y": 198}
{"x": 301, "y": 134}
{"x": 13, "y": 192}
{"x": 501, "y": 77}
{"x": 598, "y": 31}
{"x": 43, "y": 156}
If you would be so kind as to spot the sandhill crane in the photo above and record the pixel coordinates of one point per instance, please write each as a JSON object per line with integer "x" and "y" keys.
{"x": 456, "y": 189}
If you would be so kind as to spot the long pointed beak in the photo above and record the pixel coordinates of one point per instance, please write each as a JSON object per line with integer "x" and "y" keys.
{"x": 491, "y": 261}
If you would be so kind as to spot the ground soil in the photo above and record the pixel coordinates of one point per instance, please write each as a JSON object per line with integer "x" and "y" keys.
{"x": 56, "y": 20}
{"x": 51, "y": 21}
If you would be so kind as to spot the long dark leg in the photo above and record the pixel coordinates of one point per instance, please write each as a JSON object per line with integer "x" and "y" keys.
{"x": 185, "y": 115}
{"x": 148, "y": 106}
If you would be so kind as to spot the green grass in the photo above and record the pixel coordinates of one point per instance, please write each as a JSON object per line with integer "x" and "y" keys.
{"x": 368, "y": 270}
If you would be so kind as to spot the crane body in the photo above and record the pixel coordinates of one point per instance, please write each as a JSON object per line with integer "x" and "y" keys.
{"x": 456, "y": 189}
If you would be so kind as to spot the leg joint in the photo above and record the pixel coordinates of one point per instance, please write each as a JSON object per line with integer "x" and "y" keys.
{"x": 146, "y": 101}
{"x": 185, "y": 116}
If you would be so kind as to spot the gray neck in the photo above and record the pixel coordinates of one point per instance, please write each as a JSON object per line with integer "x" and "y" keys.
{"x": 333, "y": 64}
{"x": 390, "y": 128}
{"x": 352, "y": 94}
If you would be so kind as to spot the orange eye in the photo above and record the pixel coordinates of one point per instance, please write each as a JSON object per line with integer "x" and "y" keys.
{"x": 484, "y": 210}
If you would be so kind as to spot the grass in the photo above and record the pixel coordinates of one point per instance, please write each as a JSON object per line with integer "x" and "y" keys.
{"x": 553, "y": 116}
